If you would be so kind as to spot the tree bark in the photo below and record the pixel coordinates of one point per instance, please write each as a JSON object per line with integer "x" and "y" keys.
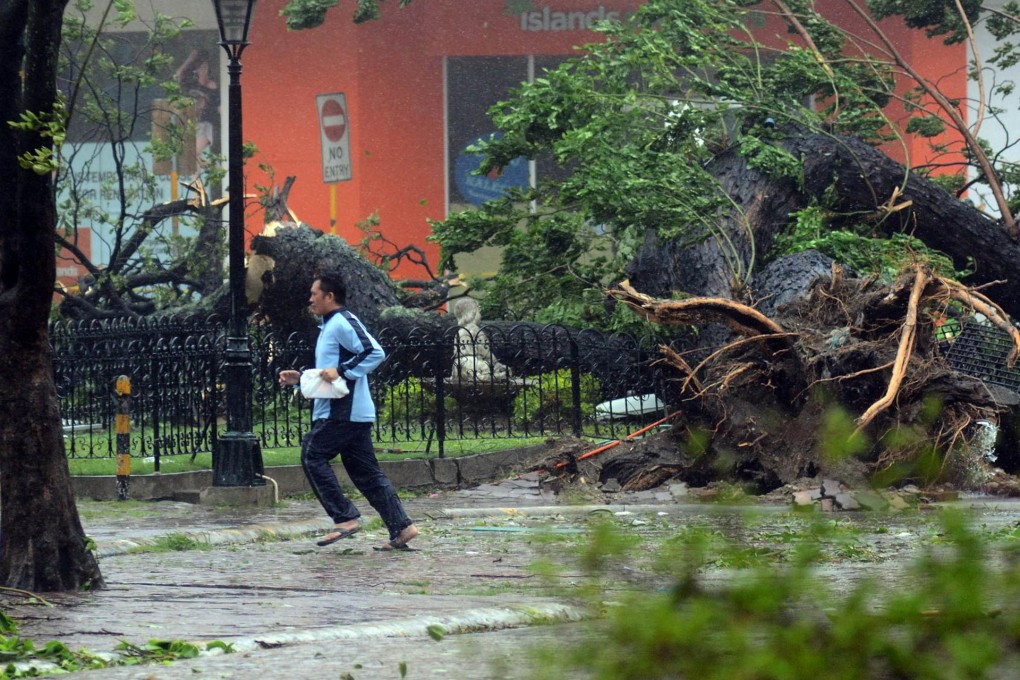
{"x": 865, "y": 181}
{"x": 42, "y": 543}
{"x": 298, "y": 254}
{"x": 849, "y": 178}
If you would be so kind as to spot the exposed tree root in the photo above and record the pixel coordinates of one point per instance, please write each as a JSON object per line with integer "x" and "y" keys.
{"x": 674, "y": 359}
{"x": 723, "y": 350}
{"x": 762, "y": 408}
{"x": 908, "y": 336}
{"x": 933, "y": 289}
{"x": 745, "y": 320}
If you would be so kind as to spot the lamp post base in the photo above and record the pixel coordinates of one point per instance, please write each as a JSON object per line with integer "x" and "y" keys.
{"x": 237, "y": 460}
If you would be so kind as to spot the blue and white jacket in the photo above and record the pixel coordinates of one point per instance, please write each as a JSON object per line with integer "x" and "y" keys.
{"x": 345, "y": 344}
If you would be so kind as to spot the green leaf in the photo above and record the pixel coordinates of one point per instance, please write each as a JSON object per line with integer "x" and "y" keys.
{"x": 302, "y": 14}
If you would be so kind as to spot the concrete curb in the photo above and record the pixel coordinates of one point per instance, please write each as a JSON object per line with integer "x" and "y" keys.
{"x": 248, "y": 534}
{"x": 411, "y": 474}
{"x": 470, "y": 621}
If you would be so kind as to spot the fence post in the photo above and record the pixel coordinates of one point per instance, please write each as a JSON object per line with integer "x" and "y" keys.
{"x": 440, "y": 402}
{"x": 575, "y": 386}
{"x": 123, "y": 429}
{"x": 156, "y": 391}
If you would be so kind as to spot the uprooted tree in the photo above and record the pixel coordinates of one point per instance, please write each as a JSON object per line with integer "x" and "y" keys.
{"x": 685, "y": 141}
{"x": 793, "y": 370}
{"x": 844, "y": 381}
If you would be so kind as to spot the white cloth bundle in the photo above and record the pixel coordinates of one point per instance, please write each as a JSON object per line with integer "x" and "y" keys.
{"x": 314, "y": 387}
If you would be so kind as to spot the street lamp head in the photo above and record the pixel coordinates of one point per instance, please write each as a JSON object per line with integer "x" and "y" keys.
{"x": 234, "y": 18}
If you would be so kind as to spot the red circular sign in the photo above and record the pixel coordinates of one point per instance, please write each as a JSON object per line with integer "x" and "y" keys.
{"x": 334, "y": 120}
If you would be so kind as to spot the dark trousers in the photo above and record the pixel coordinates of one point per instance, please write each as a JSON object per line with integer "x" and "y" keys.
{"x": 353, "y": 443}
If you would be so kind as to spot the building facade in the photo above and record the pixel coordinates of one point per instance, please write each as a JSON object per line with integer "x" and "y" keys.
{"x": 376, "y": 118}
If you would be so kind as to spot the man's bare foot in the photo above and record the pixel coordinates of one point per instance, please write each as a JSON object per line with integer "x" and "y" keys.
{"x": 401, "y": 540}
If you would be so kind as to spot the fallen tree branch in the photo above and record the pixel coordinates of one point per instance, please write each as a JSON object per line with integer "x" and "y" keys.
{"x": 27, "y": 594}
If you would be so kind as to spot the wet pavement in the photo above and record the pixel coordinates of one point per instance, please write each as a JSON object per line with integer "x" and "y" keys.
{"x": 254, "y": 579}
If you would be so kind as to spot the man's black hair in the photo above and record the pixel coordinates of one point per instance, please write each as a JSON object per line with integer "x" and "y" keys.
{"x": 333, "y": 284}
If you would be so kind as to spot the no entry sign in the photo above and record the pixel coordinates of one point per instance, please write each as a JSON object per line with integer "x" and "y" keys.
{"x": 334, "y": 126}
{"x": 334, "y": 120}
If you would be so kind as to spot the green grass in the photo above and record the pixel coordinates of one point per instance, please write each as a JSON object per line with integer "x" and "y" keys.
{"x": 292, "y": 456}
{"x": 174, "y": 543}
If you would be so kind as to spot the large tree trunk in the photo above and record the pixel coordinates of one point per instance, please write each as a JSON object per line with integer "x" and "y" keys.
{"x": 299, "y": 253}
{"x": 42, "y": 544}
{"x": 294, "y": 255}
{"x": 868, "y": 181}
{"x": 849, "y": 177}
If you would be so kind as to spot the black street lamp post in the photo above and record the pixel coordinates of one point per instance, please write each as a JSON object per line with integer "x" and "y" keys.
{"x": 237, "y": 458}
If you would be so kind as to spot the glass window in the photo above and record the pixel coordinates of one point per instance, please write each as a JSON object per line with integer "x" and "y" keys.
{"x": 473, "y": 85}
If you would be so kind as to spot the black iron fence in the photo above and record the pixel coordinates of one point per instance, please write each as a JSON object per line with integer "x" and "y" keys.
{"x": 499, "y": 381}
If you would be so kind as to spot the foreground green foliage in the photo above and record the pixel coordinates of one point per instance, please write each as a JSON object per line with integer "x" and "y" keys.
{"x": 23, "y": 659}
{"x": 175, "y": 543}
{"x": 952, "y": 615}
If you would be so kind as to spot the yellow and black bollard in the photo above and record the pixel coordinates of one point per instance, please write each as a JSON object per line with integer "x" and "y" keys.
{"x": 123, "y": 427}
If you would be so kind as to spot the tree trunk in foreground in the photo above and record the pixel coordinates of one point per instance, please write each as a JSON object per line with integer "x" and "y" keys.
{"x": 42, "y": 544}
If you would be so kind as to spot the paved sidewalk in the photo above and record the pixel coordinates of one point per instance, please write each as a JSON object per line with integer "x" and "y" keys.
{"x": 255, "y": 579}
{"x": 288, "y": 607}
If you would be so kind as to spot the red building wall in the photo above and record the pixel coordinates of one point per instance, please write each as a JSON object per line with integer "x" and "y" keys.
{"x": 939, "y": 63}
{"x": 391, "y": 72}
